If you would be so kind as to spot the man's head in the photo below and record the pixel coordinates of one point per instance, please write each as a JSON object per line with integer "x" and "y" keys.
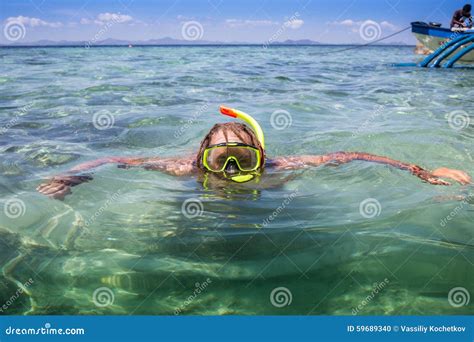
{"x": 466, "y": 10}
{"x": 225, "y": 133}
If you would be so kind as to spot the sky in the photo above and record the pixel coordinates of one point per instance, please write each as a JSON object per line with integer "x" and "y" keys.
{"x": 253, "y": 21}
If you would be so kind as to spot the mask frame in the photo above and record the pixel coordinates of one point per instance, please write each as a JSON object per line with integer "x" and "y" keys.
{"x": 231, "y": 157}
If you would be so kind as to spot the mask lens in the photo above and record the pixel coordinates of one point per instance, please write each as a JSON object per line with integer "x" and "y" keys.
{"x": 246, "y": 156}
{"x": 216, "y": 158}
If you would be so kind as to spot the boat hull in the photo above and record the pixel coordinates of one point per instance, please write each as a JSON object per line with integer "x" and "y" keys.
{"x": 433, "y": 37}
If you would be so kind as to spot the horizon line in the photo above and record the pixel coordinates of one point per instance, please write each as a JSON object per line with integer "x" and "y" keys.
{"x": 31, "y": 45}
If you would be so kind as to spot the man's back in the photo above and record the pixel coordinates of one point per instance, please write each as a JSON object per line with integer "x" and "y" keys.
{"x": 460, "y": 16}
{"x": 457, "y": 16}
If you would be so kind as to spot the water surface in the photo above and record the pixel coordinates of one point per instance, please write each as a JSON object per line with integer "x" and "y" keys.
{"x": 125, "y": 232}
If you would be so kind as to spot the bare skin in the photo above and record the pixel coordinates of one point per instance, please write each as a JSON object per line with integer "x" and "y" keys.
{"x": 60, "y": 186}
{"x": 457, "y": 23}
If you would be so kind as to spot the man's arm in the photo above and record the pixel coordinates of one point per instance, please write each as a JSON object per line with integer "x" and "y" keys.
{"x": 60, "y": 186}
{"x": 456, "y": 20}
{"x": 459, "y": 23}
{"x": 298, "y": 162}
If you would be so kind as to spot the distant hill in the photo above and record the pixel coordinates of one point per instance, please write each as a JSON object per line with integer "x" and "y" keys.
{"x": 297, "y": 42}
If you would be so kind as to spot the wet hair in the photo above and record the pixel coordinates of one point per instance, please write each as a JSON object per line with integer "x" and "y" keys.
{"x": 243, "y": 132}
{"x": 467, "y": 8}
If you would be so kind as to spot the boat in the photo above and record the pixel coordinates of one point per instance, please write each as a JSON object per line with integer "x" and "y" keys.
{"x": 432, "y": 36}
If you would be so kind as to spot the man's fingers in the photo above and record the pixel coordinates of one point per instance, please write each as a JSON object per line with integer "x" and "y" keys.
{"x": 57, "y": 191}
{"x": 466, "y": 179}
{"x": 461, "y": 176}
{"x": 438, "y": 181}
{"x": 42, "y": 186}
{"x": 53, "y": 189}
{"x": 61, "y": 194}
{"x": 44, "y": 189}
{"x": 457, "y": 175}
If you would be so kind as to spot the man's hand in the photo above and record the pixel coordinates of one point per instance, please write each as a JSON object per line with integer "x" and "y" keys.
{"x": 457, "y": 175}
{"x": 60, "y": 186}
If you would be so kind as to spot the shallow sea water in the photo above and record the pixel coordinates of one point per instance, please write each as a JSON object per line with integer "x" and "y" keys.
{"x": 122, "y": 243}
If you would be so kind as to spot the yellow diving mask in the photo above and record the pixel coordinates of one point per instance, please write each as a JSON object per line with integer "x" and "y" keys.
{"x": 235, "y": 156}
{"x": 216, "y": 157}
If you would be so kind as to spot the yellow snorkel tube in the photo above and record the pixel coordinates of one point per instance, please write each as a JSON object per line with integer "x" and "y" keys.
{"x": 234, "y": 113}
{"x": 248, "y": 119}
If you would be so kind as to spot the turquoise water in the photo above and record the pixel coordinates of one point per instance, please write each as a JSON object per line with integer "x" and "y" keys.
{"x": 122, "y": 243}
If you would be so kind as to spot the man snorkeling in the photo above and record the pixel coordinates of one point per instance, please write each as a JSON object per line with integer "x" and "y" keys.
{"x": 236, "y": 153}
{"x": 461, "y": 16}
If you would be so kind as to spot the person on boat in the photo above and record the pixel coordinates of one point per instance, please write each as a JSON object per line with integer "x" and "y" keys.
{"x": 234, "y": 152}
{"x": 461, "y": 16}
